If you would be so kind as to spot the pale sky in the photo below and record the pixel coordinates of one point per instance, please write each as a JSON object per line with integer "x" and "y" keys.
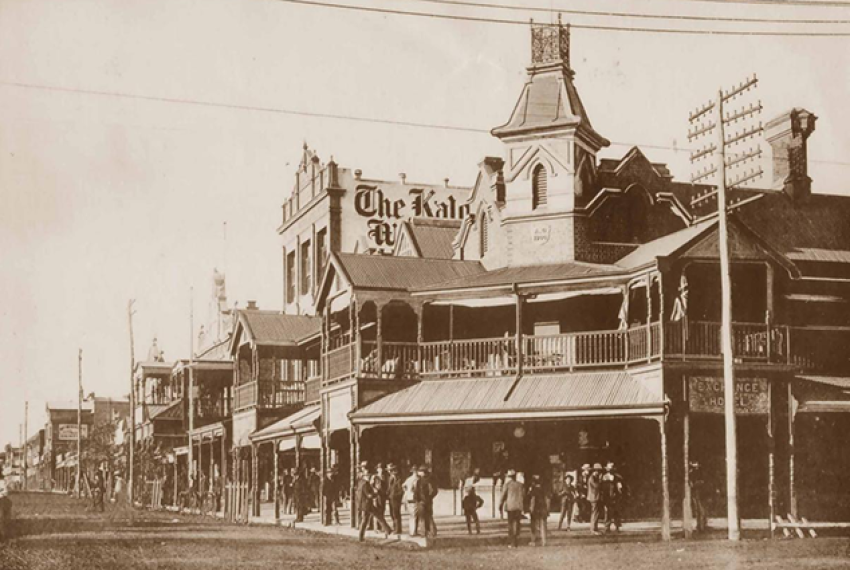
{"x": 106, "y": 198}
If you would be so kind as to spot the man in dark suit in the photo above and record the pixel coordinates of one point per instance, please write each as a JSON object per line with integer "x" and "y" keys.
{"x": 366, "y": 499}
{"x": 395, "y": 493}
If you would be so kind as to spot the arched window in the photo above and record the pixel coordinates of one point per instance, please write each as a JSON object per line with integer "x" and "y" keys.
{"x": 482, "y": 233}
{"x": 538, "y": 187}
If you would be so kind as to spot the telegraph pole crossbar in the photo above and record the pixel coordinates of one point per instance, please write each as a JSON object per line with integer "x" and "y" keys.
{"x": 716, "y": 124}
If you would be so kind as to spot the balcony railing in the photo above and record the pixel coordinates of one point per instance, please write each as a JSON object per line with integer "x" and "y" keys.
{"x": 750, "y": 342}
{"x": 311, "y": 389}
{"x": 341, "y": 362}
{"x": 268, "y": 395}
{"x": 821, "y": 350}
{"x": 397, "y": 359}
{"x": 816, "y": 350}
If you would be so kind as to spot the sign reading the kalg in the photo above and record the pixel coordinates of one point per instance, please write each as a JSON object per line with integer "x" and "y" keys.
{"x": 706, "y": 395}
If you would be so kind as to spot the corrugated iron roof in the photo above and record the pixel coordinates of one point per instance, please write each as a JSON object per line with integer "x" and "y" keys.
{"x": 814, "y": 229}
{"x": 835, "y": 381}
{"x": 402, "y": 273}
{"x": 527, "y": 274}
{"x": 272, "y": 327}
{"x": 302, "y": 419}
{"x": 434, "y": 236}
{"x": 577, "y": 391}
{"x": 663, "y": 246}
{"x": 218, "y": 351}
{"x": 172, "y": 411}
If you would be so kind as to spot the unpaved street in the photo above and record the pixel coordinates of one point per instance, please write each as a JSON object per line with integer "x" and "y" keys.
{"x": 55, "y": 532}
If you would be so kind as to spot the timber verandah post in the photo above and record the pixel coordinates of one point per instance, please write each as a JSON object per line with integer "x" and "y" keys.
{"x": 687, "y": 513}
{"x": 355, "y": 466}
{"x": 255, "y": 480}
{"x": 665, "y": 483}
{"x": 276, "y": 485}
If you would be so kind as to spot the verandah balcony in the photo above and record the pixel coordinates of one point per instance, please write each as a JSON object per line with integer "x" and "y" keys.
{"x": 267, "y": 395}
{"x": 800, "y": 347}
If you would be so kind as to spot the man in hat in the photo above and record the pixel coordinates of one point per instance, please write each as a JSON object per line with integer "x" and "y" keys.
{"x": 330, "y": 491}
{"x": 512, "y": 502}
{"x": 538, "y": 509}
{"x": 424, "y": 493}
{"x": 697, "y": 483}
{"x": 581, "y": 494}
{"x": 612, "y": 494}
{"x": 409, "y": 486}
{"x": 366, "y": 499}
{"x": 395, "y": 494}
{"x": 594, "y": 496}
{"x": 568, "y": 499}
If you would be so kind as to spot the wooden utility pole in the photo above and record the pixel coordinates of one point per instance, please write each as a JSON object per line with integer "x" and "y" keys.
{"x": 132, "y": 458}
{"x": 26, "y": 442}
{"x": 79, "y": 421}
{"x": 718, "y": 121}
{"x": 190, "y": 471}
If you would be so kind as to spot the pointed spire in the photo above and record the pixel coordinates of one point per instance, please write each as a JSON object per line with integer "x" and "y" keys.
{"x": 550, "y": 102}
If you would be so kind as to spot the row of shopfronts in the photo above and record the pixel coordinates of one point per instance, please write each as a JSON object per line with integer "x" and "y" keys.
{"x": 565, "y": 310}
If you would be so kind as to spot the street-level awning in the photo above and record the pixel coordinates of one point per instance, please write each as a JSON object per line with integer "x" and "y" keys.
{"x": 822, "y": 394}
{"x": 308, "y": 441}
{"x": 301, "y": 422}
{"x": 213, "y": 430}
{"x": 534, "y": 397}
{"x": 311, "y": 441}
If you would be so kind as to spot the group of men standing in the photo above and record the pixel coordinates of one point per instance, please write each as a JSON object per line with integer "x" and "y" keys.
{"x": 376, "y": 490}
{"x": 597, "y": 494}
{"x": 300, "y": 490}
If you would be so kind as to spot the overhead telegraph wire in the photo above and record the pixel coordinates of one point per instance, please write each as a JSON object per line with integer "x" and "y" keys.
{"x": 300, "y": 113}
{"x": 507, "y": 21}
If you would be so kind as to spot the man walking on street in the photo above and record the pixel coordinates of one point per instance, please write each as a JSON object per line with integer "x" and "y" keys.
{"x": 512, "y": 503}
{"x": 366, "y": 499}
{"x": 594, "y": 496}
{"x": 538, "y": 509}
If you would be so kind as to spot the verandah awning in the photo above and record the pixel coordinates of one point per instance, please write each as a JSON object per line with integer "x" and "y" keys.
{"x": 468, "y": 400}
{"x": 822, "y": 394}
{"x": 302, "y": 421}
{"x": 506, "y": 300}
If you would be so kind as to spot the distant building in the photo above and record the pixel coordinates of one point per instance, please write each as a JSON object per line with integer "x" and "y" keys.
{"x": 335, "y": 209}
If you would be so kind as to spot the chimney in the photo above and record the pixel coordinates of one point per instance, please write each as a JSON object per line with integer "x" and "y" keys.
{"x": 446, "y": 182}
{"x": 787, "y": 135}
{"x": 358, "y": 174}
{"x": 252, "y": 306}
{"x": 403, "y": 177}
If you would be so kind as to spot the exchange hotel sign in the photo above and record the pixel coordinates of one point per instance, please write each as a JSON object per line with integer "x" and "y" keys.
{"x": 706, "y": 395}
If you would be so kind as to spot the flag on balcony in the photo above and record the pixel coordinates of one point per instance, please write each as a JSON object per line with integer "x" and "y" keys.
{"x": 624, "y": 310}
{"x": 680, "y": 306}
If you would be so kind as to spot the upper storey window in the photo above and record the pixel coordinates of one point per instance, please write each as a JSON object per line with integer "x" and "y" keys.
{"x": 539, "y": 188}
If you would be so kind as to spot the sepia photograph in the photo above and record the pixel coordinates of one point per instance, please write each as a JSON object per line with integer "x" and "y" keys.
{"x": 414, "y": 284}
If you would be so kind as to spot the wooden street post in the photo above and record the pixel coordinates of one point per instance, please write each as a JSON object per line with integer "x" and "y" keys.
{"x": 714, "y": 111}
